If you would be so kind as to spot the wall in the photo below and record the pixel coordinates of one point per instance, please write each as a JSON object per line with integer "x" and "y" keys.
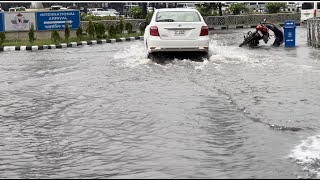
{"x": 38, "y": 35}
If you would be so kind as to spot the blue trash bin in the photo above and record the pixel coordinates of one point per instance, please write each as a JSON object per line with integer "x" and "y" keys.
{"x": 289, "y": 33}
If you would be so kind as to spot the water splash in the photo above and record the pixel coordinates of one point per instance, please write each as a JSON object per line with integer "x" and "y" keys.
{"x": 232, "y": 54}
{"x": 307, "y": 154}
{"x": 202, "y": 65}
{"x": 133, "y": 56}
{"x": 219, "y": 52}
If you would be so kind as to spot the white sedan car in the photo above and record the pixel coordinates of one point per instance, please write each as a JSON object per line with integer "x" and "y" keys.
{"x": 177, "y": 30}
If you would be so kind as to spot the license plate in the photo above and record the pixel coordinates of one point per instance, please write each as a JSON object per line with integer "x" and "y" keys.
{"x": 260, "y": 33}
{"x": 179, "y": 33}
{"x": 306, "y": 13}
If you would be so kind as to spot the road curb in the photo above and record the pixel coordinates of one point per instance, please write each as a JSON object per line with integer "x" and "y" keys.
{"x": 67, "y": 45}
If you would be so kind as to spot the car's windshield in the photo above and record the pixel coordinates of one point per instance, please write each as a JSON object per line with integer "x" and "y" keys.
{"x": 178, "y": 16}
{"x": 307, "y": 6}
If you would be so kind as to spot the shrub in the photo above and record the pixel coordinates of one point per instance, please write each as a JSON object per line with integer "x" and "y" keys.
{"x": 100, "y": 30}
{"x": 121, "y": 25}
{"x": 142, "y": 27}
{"x": 129, "y": 27}
{"x": 31, "y": 34}
{"x": 202, "y": 11}
{"x": 236, "y": 8}
{"x": 55, "y": 37}
{"x": 2, "y": 37}
{"x": 112, "y": 31}
{"x": 274, "y": 7}
{"x": 79, "y": 32}
{"x": 66, "y": 30}
{"x": 136, "y": 12}
{"x": 117, "y": 29}
{"x": 148, "y": 17}
{"x": 91, "y": 29}
{"x": 97, "y": 18}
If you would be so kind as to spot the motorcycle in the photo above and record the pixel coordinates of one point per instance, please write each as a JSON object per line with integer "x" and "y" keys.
{"x": 252, "y": 38}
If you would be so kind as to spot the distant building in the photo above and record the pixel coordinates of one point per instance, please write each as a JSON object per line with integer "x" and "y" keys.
{"x": 259, "y": 7}
{"x": 291, "y": 7}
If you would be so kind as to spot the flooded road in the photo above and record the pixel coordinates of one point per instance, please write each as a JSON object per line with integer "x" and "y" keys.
{"x": 106, "y": 111}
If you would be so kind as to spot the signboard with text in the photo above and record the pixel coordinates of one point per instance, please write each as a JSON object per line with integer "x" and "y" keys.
{"x": 1, "y": 22}
{"x": 19, "y": 21}
{"x": 55, "y": 20}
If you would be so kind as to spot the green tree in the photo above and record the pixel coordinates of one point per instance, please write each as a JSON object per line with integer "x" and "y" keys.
{"x": 55, "y": 37}
{"x": 236, "y": 8}
{"x": 136, "y": 12}
{"x": 275, "y": 7}
{"x": 118, "y": 31}
{"x": 148, "y": 17}
{"x": 66, "y": 30}
{"x": 208, "y": 9}
{"x": 31, "y": 34}
{"x": 91, "y": 29}
{"x": 2, "y": 37}
{"x": 112, "y": 31}
{"x": 100, "y": 30}
{"x": 220, "y": 8}
{"x": 79, "y": 32}
{"x": 142, "y": 28}
{"x": 121, "y": 25}
{"x": 129, "y": 27}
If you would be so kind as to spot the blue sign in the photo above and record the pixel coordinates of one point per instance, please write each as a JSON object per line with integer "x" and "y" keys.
{"x": 55, "y": 20}
{"x": 1, "y": 22}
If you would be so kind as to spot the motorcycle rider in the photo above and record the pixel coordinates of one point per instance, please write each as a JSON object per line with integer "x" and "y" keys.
{"x": 277, "y": 32}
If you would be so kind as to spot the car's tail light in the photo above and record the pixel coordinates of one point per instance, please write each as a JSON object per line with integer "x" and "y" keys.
{"x": 315, "y": 13}
{"x": 204, "y": 31}
{"x": 154, "y": 31}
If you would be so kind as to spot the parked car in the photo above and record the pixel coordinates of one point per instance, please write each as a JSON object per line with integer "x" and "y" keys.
{"x": 150, "y": 9}
{"x": 309, "y": 10}
{"x": 176, "y": 29}
{"x": 114, "y": 11}
{"x": 186, "y": 5}
{"x": 57, "y": 7}
{"x": 17, "y": 9}
{"x": 72, "y": 7}
{"x": 102, "y": 13}
{"x": 90, "y": 10}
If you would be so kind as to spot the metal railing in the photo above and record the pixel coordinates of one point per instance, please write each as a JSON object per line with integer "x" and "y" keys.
{"x": 135, "y": 23}
{"x": 217, "y": 22}
{"x": 313, "y": 32}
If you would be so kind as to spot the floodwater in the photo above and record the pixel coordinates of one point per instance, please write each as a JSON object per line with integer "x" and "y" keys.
{"x": 107, "y": 111}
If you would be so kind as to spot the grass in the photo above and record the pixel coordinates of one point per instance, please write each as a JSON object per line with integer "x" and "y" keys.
{"x": 40, "y": 42}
